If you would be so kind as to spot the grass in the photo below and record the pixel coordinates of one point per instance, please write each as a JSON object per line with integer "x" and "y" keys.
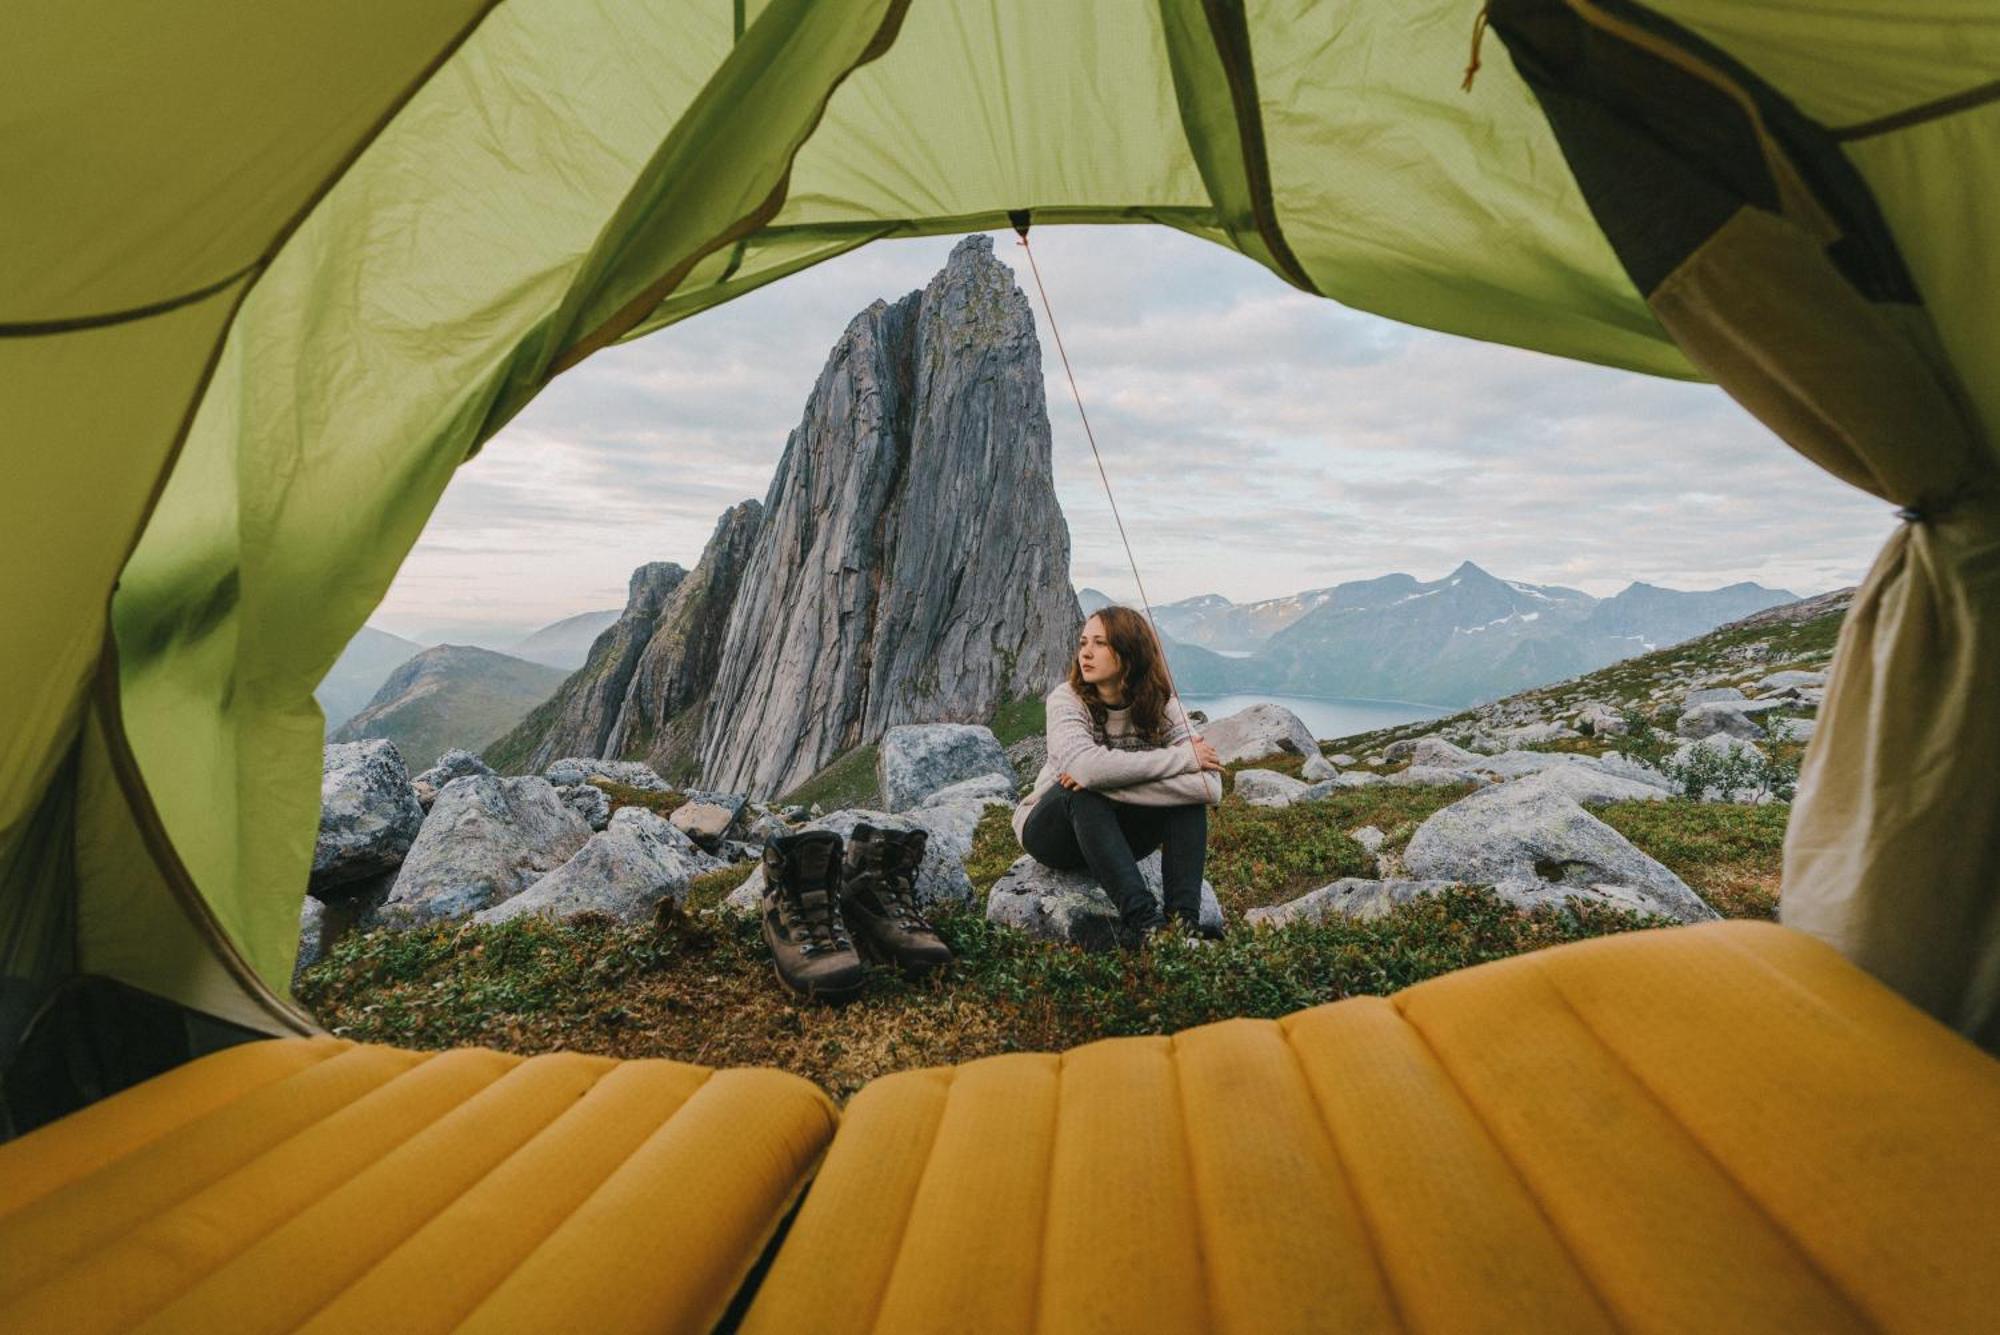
{"x": 700, "y": 989}
{"x": 1730, "y": 855}
{"x": 1015, "y": 719}
{"x": 1267, "y": 855}
{"x": 653, "y": 800}
{"x": 848, "y": 782}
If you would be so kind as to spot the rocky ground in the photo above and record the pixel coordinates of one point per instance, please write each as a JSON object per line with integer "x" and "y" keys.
{"x": 593, "y": 906}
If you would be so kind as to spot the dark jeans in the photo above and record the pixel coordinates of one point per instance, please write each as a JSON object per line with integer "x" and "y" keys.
{"x": 1074, "y": 829}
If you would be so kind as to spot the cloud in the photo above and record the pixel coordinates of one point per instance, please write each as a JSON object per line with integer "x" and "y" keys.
{"x": 1259, "y": 441}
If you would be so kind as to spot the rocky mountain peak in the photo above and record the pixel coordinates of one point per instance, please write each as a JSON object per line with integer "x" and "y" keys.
{"x": 914, "y": 564}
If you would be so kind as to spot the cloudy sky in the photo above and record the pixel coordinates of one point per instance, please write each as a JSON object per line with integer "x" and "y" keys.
{"x": 1260, "y": 442}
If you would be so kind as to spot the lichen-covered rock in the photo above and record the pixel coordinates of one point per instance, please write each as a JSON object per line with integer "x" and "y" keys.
{"x": 1431, "y": 776}
{"x": 624, "y": 871}
{"x": 487, "y": 840}
{"x": 1318, "y": 768}
{"x": 456, "y": 763}
{"x": 985, "y": 789}
{"x": 582, "y": 769}
{"x": 1794, "y": 729}
{"x": 1624, "y": 767}
{"x": 1711, "y": 695}
{"x": 1259, "y": 731}
{"x": 1437, "y": 753}
{"x": 708, "y": 818}
{"x": 1369, "y": 837}
{"x": 941, "y": 877}
{"x": 1785, "y": 681}
{"x": 1268, "y": 788}
{"x": 1517, "y": 832}
{"x": 1601, "y": 720}
{"x": 1719, "y": 716}
{"x": 588, "y": 801}
{"x": 1341, "y": 760}
{"x": 915, "y": 760}
{"x": 1354, "y": 897}
{"x": 1582, "y": 781}
{"x": 1534, "y": 734}
{"x": 1071, "y": 907}
{"x": 368, "y": 815}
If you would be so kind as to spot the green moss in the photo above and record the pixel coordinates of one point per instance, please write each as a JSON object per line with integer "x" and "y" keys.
{"x": 1015, "y": 719}
{"x": 848, "y": 782}
{"x": 622, "y": 795}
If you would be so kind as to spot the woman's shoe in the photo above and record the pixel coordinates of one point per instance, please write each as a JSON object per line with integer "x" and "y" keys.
{"x": 878, "y": 897}
{"x": 810, "y": 950}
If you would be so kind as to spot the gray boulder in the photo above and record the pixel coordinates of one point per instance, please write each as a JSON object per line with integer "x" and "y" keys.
{"x": 1585, "y": 782}
{"x": 1342, "y": 760}
{"x": 625, "y": 871}
{"x": 915, "y": 760}
{"x": 368, "y": 815}
{"x": 1787, "y": 681}
{"x": 1533, "y": 734}
{"x": 1710, "y": 695}
{"x": 1394, "y": 751}
{"x": 986, "y": 789}
{"x": 765, "y": 827}
{"x": 1070, "y": 907}
{"x": 1354, "y": 778}
{"x": 588, "y": 801}
{"x": 1601, "y": 720}
{"x": 708, "y": 818}
{"x": 1624, "y": 767}
{"x": 1431, "y": 776}
{"x": 1437, "y": 753}
{"x": 1369, "y": 837}
{"x": 1259, "y": 731}
{"x": 1517, "y": 764}
{"x": 456, "y": 763}
{"x": 1268, "y": 788}
{"x": 1794, "y": 729}
{"x": 1721, "y": 716}
{"x": 487, "y": 840}
{"x": 1350, "y": 897}
{"x": 1520, "y": 833}
{"x": 1318, "y": 768}
{"x": 941, "y": 877}
{"x": 582, "y": 769}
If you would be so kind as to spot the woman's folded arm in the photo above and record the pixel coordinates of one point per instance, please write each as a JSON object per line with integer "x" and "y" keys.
{"x": 1073, "y": 750}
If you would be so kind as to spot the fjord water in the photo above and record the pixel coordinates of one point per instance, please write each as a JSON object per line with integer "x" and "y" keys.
{"x": 1325, "y": 717}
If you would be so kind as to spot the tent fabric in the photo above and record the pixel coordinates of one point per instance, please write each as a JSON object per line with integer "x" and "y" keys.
{"x": 1584, "y": 1138}
{"x": 319, "y": 1185}
{"x": 1775, "y": 260}
{"x": 323, "y": 256}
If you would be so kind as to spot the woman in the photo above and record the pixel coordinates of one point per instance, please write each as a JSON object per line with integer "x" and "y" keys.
{"x": 1125, "y": 775}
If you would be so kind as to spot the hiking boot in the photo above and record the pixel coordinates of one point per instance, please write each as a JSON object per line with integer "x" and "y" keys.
{"x": 810, "y": 949}
{"x": 878, "y": 898}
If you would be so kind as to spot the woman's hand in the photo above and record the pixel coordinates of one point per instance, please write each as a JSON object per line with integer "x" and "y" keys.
{"x": 1205, "y": 753}
{"x": 1066, "y": 781}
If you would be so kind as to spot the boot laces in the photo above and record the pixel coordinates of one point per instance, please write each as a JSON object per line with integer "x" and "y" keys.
{"x": 812, "y": 914}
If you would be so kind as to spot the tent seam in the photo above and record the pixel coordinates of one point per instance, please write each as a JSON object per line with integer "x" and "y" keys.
{"x": 69, "y": 324}
{"x": 1921, "y": 114}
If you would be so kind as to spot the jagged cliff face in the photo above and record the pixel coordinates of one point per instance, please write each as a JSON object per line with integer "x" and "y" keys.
{"x": 913, "y": 564}
{"x": 660, "y": 718}
{"x": 578, "y": 719}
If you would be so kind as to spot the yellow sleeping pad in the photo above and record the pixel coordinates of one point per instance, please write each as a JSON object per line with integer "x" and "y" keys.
{"x": 1722, "y": 1128}
{"x": 319, "y": 1185}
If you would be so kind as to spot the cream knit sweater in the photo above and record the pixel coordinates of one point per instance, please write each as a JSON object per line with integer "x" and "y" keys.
{"x": 1154, "y": 776}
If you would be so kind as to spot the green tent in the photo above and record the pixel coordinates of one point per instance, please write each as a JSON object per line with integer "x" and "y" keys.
{"x": 272, "y": 272}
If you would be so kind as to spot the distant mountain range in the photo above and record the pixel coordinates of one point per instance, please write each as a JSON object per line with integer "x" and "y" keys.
{"x": 450, "y": 695}
{"x": 566, "y": 643}
{"x": 1454, "y": 641}
{"x": 359, "y": 672}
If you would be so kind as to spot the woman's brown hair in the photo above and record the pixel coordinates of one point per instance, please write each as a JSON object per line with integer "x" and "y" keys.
{"x": 1147, "y": 688}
